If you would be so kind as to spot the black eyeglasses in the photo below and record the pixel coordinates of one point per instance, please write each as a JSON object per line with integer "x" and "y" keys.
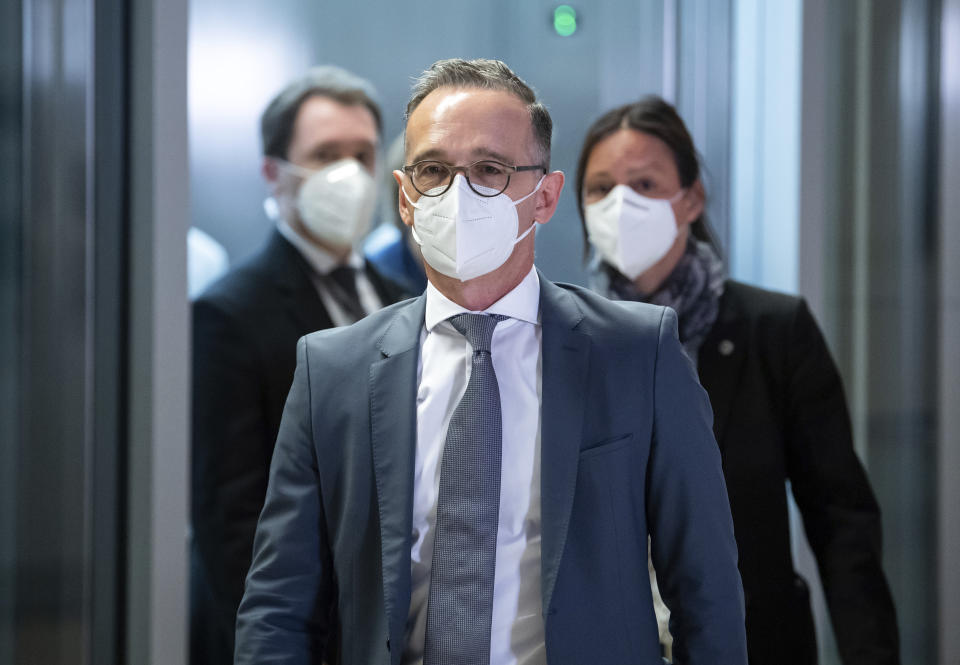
{"x": 432, "y": 178}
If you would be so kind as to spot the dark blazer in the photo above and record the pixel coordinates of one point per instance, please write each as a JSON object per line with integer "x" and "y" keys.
{"x": 780, "y": 414}
{"x": 245, "y": 332}
{"x": 627, "y": 450}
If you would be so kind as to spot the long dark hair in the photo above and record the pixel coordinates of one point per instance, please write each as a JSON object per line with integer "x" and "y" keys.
{"x": 653, "y": 116}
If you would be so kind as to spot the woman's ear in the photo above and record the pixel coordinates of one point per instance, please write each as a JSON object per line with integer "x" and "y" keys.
{"x": 691, "y": 206}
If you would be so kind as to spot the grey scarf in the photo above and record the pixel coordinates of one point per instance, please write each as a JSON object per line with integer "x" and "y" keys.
{"x": 693, "y": 290}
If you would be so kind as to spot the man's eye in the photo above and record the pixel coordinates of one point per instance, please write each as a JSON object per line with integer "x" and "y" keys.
{"x": 598, "y": 190}
{"x": 431, "y": 169}
{"x": 489, "y": 168}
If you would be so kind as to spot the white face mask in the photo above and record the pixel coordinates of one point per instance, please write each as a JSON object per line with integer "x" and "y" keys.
{"x": 630, "y": 231}
{"x": 465, "y": 235}
{"x": 336, "y": 202}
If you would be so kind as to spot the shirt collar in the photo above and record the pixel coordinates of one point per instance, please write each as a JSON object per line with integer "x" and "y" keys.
{"x": 322, "y": 261}
{"x": 522, "y": 303}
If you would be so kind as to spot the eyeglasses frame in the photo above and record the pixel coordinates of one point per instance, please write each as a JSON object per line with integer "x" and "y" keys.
{"x": 408, "y": 168}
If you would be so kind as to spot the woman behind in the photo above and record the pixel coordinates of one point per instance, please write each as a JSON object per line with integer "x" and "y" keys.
{"x": 779, "y": 408}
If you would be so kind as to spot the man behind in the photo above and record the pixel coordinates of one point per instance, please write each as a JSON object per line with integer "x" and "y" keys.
{"x": 471, "y": 476}
{"x": 320, "y": 137}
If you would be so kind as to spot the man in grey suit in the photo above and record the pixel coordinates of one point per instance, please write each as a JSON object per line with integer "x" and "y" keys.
{"x": 472, "y": 476}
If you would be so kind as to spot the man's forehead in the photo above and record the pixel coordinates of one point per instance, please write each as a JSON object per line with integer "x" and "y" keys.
{"x": 324, "y": 118}
{"x": 449, "y": 99}
{"x": 446, "y": 101}
{"x": 483, "y": 122}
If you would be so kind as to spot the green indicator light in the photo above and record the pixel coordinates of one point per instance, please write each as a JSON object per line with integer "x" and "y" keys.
{"x": 565, "y": 20}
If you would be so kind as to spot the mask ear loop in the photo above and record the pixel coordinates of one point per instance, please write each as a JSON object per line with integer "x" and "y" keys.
{"x": 525, "y": 233}
{"x": 524, "y": 198}
{"x": 295, "y": 169}
{"x": 409, "y": 200}
{"x": 679, "y": 195}
{"x": 521, "y": 200}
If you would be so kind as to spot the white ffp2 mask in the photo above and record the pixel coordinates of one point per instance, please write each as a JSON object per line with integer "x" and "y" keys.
{"x": 631, "y": 231}
{"x": 464, "y": 235}
{"x": 336, "y": 202}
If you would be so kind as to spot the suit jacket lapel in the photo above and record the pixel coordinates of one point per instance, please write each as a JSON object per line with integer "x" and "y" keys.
{"x": 393, "y": 420}
{"x": 393, "y": 430}
{"x": 566, "y": 353}
{"x": 720, "y": 364}
{"x": 291, "y": 274}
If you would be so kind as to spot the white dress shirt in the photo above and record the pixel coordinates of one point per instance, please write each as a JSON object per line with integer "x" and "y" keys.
{"x": 322, "y": 263}
{"x": 517, "y": 634}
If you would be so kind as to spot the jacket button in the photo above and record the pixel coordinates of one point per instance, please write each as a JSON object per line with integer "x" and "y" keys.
{"x": 726, "y": 347}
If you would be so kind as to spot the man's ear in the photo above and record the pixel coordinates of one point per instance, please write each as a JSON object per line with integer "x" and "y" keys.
{"x": 548, "y": 196}
{"x": 403, "y": 206}
{"x": 692, "y": 204}
{"x": 269, "y": 170}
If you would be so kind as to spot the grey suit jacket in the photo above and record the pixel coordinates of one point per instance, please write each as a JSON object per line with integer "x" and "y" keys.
{"x": 627, "y": 451}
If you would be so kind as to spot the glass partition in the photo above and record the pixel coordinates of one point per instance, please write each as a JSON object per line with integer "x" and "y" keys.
{"x": 10, "y": 158}
{"x": 61, "y": 342}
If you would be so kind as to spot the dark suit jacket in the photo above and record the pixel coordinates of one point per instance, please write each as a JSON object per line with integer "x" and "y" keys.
{"x": 626, "y": 451}
{"x": 245, "y": 332}
{"x": 780, "y": 414}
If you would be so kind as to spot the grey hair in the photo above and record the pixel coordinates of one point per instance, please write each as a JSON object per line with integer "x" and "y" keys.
{"x": 276, "y": 122}
{"x": 489, "y": 75}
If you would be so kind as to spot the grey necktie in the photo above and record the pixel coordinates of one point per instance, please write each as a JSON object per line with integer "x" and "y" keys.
{"x": 342, "y": 285}
{"x": 460, "y": 604}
